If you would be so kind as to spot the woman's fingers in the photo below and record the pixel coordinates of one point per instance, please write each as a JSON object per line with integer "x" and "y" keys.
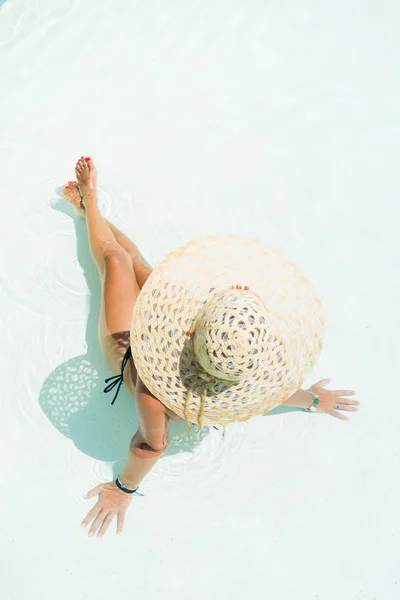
{"x": 339, "y": 415}
{"x": 110, "y": 503}
{"x": 322, "y": 383}
{"x": 344, "y": 393}
{"x": 98, "y": 521}
{"x": 340, "y": 400}
{"x": 121, "y": 519}
{"x": 347, "y": 407}
{"x": 106, "y": 524}
{"x": 91, "y": 514}
{"x": 94, "y": 491}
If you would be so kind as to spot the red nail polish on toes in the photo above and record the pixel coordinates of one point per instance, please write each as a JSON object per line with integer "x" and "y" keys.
{"x": 87, "y": 158}
{"x": 67, "y": 187}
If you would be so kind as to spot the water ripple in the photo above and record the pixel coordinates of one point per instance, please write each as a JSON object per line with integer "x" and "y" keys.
{"x": 210, "y": 452}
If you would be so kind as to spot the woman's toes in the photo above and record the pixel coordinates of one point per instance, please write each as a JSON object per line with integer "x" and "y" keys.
{"x": 81, "y": 165}
{"x": 92, "y": 168}
{"x": 86, "y": 171}
{"x": 70, "y": 192}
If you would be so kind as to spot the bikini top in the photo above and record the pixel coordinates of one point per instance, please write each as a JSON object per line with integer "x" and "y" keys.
{"x": 118, "y": 380}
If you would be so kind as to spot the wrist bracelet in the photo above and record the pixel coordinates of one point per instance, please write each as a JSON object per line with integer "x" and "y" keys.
{"x": 124, "y": 488}
{"x": 316, "y": 401}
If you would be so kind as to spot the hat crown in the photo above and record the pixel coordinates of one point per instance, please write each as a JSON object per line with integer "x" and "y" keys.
{"x": 231, "y": 336}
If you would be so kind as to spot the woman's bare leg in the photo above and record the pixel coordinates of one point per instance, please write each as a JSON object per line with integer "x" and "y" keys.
{"x": 120, "y": 288}
{"x": 141, "y": 266}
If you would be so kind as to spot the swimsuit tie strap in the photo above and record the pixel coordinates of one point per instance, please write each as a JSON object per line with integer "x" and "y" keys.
{"x": 118, "y": 380}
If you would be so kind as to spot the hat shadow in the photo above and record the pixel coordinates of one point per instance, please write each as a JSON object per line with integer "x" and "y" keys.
{"x": 72, "y": 396}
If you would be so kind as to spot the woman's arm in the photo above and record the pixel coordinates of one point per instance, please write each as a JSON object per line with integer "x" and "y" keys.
{"x": 146, "y": 447}
{"x": 329, "y": 400}
{"x": 113, "y": 501}
{"x": 300, "y": 399}
{"x": 151, "y": 439}
{"x": 141, "y": 459}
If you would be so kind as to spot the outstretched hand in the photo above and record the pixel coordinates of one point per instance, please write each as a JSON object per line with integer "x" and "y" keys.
{"x": 112, "y": 501}
{"x": 329, "y": 399}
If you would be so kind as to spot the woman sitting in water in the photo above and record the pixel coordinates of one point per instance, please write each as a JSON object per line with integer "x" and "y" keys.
{"x": 225, "y": 328}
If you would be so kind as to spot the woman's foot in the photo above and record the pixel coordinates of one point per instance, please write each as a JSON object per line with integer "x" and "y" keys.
{"x": 75, "y": 192}
{"x": 86, "y": 175}
{"x": 71, "y": 193}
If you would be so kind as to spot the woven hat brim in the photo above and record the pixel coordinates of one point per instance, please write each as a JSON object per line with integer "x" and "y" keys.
{"x": 174, "y": 294}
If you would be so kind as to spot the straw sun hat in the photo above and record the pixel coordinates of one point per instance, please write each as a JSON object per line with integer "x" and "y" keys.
{"x": 225, "y": 328}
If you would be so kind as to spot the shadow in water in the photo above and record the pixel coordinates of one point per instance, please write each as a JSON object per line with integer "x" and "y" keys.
{"x": 281, "y": 410}
{"x": 72, "y": 396}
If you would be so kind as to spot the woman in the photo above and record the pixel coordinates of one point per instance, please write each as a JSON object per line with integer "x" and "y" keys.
{"x": 123, "y": 272}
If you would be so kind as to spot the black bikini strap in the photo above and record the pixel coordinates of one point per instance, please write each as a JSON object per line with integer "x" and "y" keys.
{"x": 118, "y": 379}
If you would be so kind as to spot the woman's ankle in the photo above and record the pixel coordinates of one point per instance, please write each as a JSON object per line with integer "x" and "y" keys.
{"x": 88, "y": 195}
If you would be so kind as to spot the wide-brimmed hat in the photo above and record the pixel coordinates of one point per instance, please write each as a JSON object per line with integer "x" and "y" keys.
{"x": 225, "y": 328}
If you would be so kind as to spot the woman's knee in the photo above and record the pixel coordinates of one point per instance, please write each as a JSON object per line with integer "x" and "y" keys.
{"x": 115, "y": 257}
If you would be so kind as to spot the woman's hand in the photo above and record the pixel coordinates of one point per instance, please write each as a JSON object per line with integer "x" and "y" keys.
{"x": 112, "y": 501}
{"x": 330, "y": 399}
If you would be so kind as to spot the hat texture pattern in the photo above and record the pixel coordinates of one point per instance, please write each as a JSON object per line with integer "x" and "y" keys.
{"x": 248, "y": 349}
